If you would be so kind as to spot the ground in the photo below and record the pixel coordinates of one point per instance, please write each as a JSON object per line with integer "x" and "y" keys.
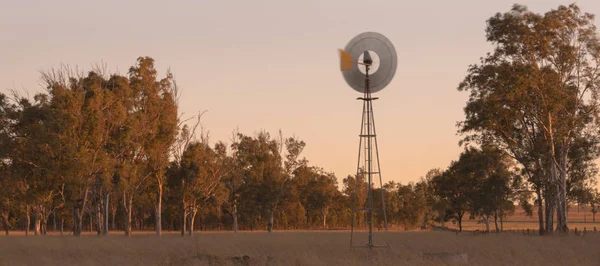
{"x": 299, "y": 248}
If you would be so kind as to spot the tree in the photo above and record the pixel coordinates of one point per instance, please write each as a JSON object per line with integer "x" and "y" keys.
{"x": 164, "y": 127}
{"x": 412, "y": 207}
{"x": 594, "y": 202}
{"x": 144, "y": 140}
{"x": 355, "y": 188}
{"x": 491, "y": 193}
{"x": 9, "y": 194}
{"x": 36, "y": 159}
{"x": 316, "y": 190}
{"x": 436, "y": 205}
{"x": 292, "y": 162}
{"x": 452, "y": 187}
{"x": 202, "y": 169}
{"x": 582, "y": 170}
{"x": 535, "y": 93}
{"x": 260, "y": 163}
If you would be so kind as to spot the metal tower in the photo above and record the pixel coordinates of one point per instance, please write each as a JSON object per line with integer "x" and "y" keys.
{"x": 368, "y": 163}
{"x": 380, "y": 62}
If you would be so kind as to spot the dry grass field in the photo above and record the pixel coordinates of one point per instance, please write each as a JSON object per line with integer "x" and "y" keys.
{"x": 312, "y": 247}
{"x": 298, "y": 248}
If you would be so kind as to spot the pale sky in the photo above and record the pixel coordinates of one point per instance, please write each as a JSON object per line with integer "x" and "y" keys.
{"x": 274, "y": 65}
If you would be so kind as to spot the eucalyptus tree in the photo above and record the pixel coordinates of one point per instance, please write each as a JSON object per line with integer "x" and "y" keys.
{"x": 260, "y": 164}
{"x": 355, "y": 188}
{"x": 143, "y": 139}
{"x": 198, "y": 178}
{"x": 164, "y": 132}
{"x": 436, "y": 205}
{"x": 316, "y": 190}
{"x": 9, "y": 193}
{"x": 35, "y": 160}
{"x": 452, "y": 186}
{"x": 535, "y": 93}
{"x": 293, "y": 149}
{"x": 491, "y": 174}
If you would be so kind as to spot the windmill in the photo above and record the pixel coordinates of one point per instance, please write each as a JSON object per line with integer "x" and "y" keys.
{"x": 368, "y": 64}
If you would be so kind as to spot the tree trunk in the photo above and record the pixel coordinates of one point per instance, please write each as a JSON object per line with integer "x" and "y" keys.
{"x": 62, "y": 226}
{"x": 114, "y": 216}
{"x": 27, "y": 220}
{"x": 271, "y": 218}
{"x": 551, "y": 199}
{"x": 44, "y": 221}
{"x": 562, "y": 186}
{"x": 54, "y": 221}
{"x": 306, "y": 215}
{"x": 501, "y": 221}
{"x": 36, "y": 226}
{"x": 142, "y": 226}
{"x": 78, "y": 210}
{"x": 37, "y": 221}
{"x": 460, "y": 216}
{"x": 128, "y": 205}
{"x": 235, "y": 217}
{"x": 219, "y": 211}
{"x": 192, "y": 219}
{"x": 91, "y": 222}
{"x": 486, "y": 222}
{"x": 44, "y": 225}
{"x": 76, "y": 222}
{"x": 550, "y": 215}
{"x": 442, "y": 218}
{"x": 5, "y": 224}
{"x": 325, "y": 211}
{"x": 183, "y": 208}
{"x": 98, "y": 217}
{"x": 159, "y": 210}
{"x": 496, "y": 221}
{"x": 184, "y": 220}
{"x": 540, "y": 209}
{"x": 106, "y": 211}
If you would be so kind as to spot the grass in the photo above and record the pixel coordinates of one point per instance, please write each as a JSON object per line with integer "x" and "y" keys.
{"x": 298, "y": 248}
{"x": 311, "y": 247}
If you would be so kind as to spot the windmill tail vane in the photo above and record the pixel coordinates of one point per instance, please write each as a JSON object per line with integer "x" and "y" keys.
{"x": 345, "y": 60}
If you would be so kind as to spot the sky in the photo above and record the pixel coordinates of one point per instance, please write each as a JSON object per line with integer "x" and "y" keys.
{"x": 271, "y": 65}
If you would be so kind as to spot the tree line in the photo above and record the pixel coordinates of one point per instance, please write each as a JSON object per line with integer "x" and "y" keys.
{"x": 103, "y": 151}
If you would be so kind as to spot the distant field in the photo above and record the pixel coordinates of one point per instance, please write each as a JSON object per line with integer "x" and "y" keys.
{"x": 298, "y": 248}
{"x": 520, "y": 221}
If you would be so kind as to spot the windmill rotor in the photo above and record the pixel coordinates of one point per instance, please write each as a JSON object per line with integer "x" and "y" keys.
{"x": 373, "y": 45}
